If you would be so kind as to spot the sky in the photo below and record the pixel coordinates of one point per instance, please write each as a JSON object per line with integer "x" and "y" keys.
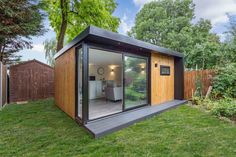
{"x": 214, "y": 10}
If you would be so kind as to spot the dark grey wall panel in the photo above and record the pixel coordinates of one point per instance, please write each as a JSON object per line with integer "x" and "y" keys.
{"x": 179, "y": 78}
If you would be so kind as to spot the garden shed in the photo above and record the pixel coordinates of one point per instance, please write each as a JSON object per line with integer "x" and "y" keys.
{"x": 31, "y": 80}
{"x": 107, "y": 81}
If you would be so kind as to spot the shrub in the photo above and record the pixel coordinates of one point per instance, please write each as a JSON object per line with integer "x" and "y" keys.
{"x": 198, "y": 85}
{"x": 224, "y": 83}
{"x": 225, "y": 108}
{"x": 222, "y": 108}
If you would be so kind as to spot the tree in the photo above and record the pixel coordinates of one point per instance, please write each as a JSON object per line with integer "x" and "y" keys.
{"x": 168, "y": 23}
{"x": 205, "y": 46}
{"x": 50, "y": 51}
{"x": 69, "y": 17}
{"x": 159, "y": 20}
{"x": 228, "y": 49}
{"x": 232, "y": 28}
{"x": 19, "y": 20}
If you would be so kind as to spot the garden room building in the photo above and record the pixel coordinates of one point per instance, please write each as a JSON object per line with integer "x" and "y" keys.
{"x": 106, "y": 81}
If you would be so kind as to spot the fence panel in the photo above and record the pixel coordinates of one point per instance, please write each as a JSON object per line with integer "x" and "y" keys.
{"x": 190, "y": 78}
{"x": 3, "y": 84}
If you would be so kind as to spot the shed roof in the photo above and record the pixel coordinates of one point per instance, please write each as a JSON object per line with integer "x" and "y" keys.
{"x": 31, "y": 61}
{"x": 101, "y": 34}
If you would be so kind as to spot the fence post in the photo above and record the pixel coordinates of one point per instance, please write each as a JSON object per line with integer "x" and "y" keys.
{"x": 1, "y": 85}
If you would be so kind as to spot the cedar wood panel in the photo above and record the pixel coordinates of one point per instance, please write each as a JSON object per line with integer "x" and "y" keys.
{"x": 31, "y": 80}
{"x": 65, "y": 82}
{"x": 162, "y": 86}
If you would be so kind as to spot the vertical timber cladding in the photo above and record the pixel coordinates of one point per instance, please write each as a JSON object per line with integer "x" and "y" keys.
{"x": 65, "y": 82}
{"x": 162, "y": 86}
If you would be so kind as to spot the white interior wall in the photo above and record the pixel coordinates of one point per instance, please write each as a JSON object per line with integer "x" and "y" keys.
{"x": 116, "y": 75}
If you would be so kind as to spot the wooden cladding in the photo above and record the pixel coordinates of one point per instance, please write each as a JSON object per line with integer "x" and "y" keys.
{"x": 31, "y": 80}
{"x": 65, "y": 82}
{"x": 190, "y": 77}
{"x": 162, "y": 86}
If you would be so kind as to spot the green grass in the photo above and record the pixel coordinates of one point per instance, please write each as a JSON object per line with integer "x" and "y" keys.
{"x": 41, "y": 129}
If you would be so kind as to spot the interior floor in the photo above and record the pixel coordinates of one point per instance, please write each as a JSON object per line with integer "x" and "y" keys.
{"x": 102, "y": 107}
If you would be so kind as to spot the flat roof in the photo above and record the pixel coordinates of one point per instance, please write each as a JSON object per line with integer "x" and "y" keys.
{"x": 105, "y": 34}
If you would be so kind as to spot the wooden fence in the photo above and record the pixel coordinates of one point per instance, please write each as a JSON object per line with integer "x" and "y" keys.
{"x": 190, "y": 78}
{"x": 31, "y": 80}
{"x": 3, "y": 84}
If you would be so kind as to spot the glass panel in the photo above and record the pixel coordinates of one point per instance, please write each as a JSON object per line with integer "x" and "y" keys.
{"x": 135, "y": 81}
{"x": 105, "y": 83}
{"x": 80, "y": 83}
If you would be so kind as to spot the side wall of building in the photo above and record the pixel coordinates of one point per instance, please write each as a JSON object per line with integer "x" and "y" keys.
{"x": 162, "y": 86}
{"x": 65, "y": 82}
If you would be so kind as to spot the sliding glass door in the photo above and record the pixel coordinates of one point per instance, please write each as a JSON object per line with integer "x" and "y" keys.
{"x": 80, "y": 82}
{"x": 117, "y": 82}
{"x": 135, "y": 85}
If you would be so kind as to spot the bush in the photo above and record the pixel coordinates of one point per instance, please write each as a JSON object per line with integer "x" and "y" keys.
{"x": 222, "y": 108}
{"x": 225, "y": 108}
{"x": 224, "y": 83}
{"x": 198, "y": 85}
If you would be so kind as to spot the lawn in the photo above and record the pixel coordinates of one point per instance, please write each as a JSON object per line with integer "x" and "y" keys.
{"x": 41, "y": 129}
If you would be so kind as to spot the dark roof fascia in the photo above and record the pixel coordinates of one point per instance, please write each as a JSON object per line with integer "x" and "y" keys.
{"x": 102, "y": 33}
{"x": 131, "y": 41}
{"x": 75, "y": 41}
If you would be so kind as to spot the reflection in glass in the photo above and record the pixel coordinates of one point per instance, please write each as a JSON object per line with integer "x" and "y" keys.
{"x": 80, "y": 84}
{"x": 135, "y": 82}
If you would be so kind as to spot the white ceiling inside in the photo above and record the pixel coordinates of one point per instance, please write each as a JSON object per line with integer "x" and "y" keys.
{"x": 100, "y": 57}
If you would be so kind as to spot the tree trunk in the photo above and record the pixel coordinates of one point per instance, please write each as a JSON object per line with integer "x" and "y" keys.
{"x": 0, "y": 53}
{"x": 2, "y": 49}
{"x": 64, "y": 14}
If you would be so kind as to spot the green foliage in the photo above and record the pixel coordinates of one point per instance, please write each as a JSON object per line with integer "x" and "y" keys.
{"x": 227, "y": 53}
{"x": 50, "y": 51}
{"x": 135, "y": 83}
{"x": 81, "y": 14}
{"x": 221, "y": 108}
{"x": 168, "y": 23}
{"x": 139, "y": 84}
{"x": 198, "y": 85}
{"x": 19, "y": 20}
{"x": 132, "y": 94}
{"x": 159, "y": 22}
{"x": 224, "y": 83}
{"x": 225, "y": 108}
